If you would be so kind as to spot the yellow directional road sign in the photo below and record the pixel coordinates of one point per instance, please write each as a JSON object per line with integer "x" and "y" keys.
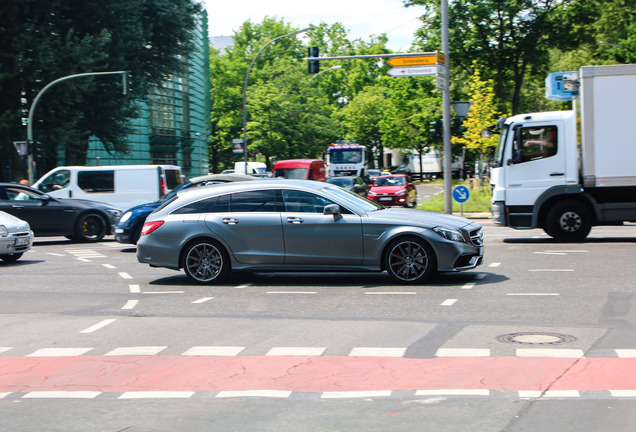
{"x": 423, "y": 60}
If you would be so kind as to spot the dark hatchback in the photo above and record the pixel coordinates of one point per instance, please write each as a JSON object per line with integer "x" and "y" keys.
{"x": 128, "y": 228}
{"x": 80, "y": 220}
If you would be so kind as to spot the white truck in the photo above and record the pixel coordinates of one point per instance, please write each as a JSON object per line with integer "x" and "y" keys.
{"x": 346, "y": 160}
{"x": 543, "y": 178}
{"x": 430, "y": 165}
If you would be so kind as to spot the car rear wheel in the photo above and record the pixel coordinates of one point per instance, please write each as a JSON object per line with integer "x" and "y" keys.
{"x": 410, "y": 260}
{"x": 90, "y": 227}
{"x": 205, "y": 262}
{"x": 10, "y": 258}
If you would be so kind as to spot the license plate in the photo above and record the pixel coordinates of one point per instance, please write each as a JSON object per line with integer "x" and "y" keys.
{"x": 385, "y": 199}
{"x": 21, "y": 241}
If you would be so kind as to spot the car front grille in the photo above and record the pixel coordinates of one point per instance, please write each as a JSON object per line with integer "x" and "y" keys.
{"x": 477, "y": 237}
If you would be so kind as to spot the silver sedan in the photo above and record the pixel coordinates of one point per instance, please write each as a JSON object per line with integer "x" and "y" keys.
{"x": 16, "y": 237}
{"x": 297, "y": 225}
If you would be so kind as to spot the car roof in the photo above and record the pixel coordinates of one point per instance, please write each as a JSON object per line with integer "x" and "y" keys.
{"x": 228, "y": 177}
{"x": 223, "y": 188}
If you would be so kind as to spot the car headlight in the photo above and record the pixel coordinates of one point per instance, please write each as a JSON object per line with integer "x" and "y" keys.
{"x": 3, "y": 231}
{"x": 372, "y": 193}
{"x": 125, "y": 217}
{"x": 401, "y": 192}
{"x": 115, "y": 213}
{"x": 450, "y": 234}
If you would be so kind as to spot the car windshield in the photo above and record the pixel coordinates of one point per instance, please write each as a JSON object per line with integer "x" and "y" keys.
{"x": 390, "y": 181}
{"x": 353, "y": 200}
{"x": 344, "y": 182}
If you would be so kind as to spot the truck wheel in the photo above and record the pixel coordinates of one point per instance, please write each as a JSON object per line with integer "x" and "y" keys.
{"x": 568, "y": 221}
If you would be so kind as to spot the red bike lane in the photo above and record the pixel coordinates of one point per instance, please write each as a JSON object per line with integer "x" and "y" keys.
{"x": 311, "y": 373}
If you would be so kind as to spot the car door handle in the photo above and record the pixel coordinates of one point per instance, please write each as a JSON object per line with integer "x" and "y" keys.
{"x": 295, "y": 220}
{"x": 556, "y": 174}
{"x": 17, "y": 206}
{"x": 230, "y": 221}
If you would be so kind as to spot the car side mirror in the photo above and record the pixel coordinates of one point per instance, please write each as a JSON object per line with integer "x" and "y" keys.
{"x": 332, "y": 209}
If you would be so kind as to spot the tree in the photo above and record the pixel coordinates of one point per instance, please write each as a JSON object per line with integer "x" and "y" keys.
{"x": 483, "y": 114}
{"x": 46, "y": 40}
{"x": 509, "y": 40}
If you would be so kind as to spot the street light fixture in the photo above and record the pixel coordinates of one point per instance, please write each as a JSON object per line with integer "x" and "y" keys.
{"x": 247, "y": 79}
{"x": 336, "y": 67}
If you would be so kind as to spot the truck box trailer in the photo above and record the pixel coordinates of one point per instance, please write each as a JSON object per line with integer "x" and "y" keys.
{"x": 542, "y": 177}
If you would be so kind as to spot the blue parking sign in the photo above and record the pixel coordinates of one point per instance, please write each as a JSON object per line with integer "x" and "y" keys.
{"x": 461, "y": 194}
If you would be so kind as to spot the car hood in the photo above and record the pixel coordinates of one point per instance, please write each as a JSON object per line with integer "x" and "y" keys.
{"x": 147, "y": 206}
{"x": 12, "y": 223}
{"x": 86, "y": 203}
{"x": 423, "y": 218}
{"x": 387, "y": 189}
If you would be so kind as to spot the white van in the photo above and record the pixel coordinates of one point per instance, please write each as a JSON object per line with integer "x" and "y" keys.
{"x": 122, "y": 186}
{"x": 252, "y": 168}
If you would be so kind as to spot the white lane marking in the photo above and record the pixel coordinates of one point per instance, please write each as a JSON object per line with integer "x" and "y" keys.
{"x": 548, "y": 393}
{"x": 468, "y": 286}
{"x": 134, "y": 289}
{"x": 355, "y": 394}
{"x": 533, "y": 294}
{"x": 98, "y": 326}
{"x": 202, "y": 300}
{"x": 125, "y": 275}
{"x": 254, "y": 393}
{"x": 4, "y": 395}
{"x": 163, "y": 292}
{"x": 243, "y": 286}
{"x": 377, "y": 352}
{"x": 453, "y": 392}
{"x": 61, "y": 394}
{"x": 296, "y": 351}
{"x": 623, "y": 393}
{"x": 109, "y": 266}
{"x": 495, "y": 264}
{"x": 448, "y": 302}
{"x": 547, "y": 352}
{"x": 550, "y": 253}
{"x": 292, "y": 292}
{"x": 390, "y": 292}
{"x": 551, "y": 270}
{"x": 214, "y": 351}
{"x": 463, "y": 352}
{"x": 570, "y": 251}
{"x": 155, "y": 395}
{"x": 139, "y": 350}
{"x": 3, "y": 349}
{"x": 130, "y": 304}
{"x": 626, "y": 352}
{"x": 52, "y": 253}
{"x": 59, "y": 352}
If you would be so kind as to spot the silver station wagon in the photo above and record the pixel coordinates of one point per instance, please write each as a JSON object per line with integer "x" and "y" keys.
{"x": 299, "y": 225}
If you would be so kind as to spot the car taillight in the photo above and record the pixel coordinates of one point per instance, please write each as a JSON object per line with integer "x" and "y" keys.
{"x": 162, "y": 185}
{"x": 150, "y": 227}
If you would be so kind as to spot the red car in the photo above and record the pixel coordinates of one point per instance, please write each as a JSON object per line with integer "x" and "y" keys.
{"x": 393, "y": 190}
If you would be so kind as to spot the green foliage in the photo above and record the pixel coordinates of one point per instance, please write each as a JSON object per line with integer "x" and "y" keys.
{"x": 45, "y": 40}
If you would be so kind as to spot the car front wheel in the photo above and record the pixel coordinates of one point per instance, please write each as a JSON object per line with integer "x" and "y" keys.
{"x": 90, "y": 227}
{"x": 205, "y": 262}
{"x": 410, "y": 260}
{"x": 10, "y": 258}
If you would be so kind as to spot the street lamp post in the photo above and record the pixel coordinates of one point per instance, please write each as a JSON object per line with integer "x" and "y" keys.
{"x": 247, "y": 79}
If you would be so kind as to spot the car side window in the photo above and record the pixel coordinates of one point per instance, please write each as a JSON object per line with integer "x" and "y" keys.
{"x": 17, "y": 194}
{"x": 254, "y": 201}
{"x": 217, "y": 204}
{"x": 306, "y": 202}
{"x": 96, "y": 181}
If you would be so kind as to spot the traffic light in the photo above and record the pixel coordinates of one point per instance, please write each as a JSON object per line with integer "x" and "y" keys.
{"x": 38, "y": 152}
{"x": 313, "y": 65}
{"x": 436, "y": 128}
{"x": 127, "y": 82}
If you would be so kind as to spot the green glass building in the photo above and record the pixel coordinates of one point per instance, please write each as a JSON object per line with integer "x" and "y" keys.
{"x": 174, "y": 122}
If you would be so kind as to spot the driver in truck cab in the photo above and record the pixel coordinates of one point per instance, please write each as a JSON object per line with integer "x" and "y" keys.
{"x": 538, "y": 148}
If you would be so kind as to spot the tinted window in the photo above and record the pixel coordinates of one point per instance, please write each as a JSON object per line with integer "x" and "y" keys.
{"x": 252, "y": 201}
{"x": 217, "y": 204}
{"x": 173, "y": 178}
{"x": 96, "y": 181}
{"x": 306, "y": 202}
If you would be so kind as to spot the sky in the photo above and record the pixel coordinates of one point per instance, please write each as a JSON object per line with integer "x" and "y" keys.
{"x": 361, "y": 18}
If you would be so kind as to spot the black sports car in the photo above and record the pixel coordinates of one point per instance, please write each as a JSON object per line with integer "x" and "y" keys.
{"x": 81, "y": 220}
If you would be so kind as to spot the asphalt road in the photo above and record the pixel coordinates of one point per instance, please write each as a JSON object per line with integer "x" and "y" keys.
{"x": 540, "y": 337}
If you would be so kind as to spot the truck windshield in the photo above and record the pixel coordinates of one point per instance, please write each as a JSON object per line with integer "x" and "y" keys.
{"x": 501, "y": 146}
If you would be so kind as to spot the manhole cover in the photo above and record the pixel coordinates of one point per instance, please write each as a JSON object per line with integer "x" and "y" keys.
{"x": 535, "y": 338}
